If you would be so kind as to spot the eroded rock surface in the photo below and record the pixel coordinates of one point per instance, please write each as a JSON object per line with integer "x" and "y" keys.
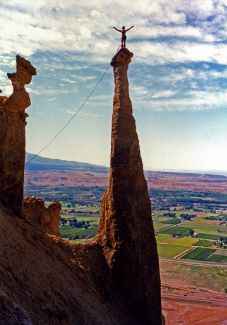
{"x": 111, "y": 279}
{"x": 47, "y": 218}
{"x": 126, "y": 231}
{"x": 52, "y": 281}
{"x": 12, "y": 137}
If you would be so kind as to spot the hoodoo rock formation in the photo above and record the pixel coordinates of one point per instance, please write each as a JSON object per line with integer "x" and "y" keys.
{"x": 46, "y": 218}
{"x": 126, "y": 230}
{"x": 12, "y": 137}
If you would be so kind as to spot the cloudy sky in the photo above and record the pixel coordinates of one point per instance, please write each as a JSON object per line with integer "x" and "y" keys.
{"x": 178, "y": 77}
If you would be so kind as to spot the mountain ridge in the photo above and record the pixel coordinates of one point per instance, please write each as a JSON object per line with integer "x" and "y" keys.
{"x": 39, "y": 163}
{"x": 36, "y": 162}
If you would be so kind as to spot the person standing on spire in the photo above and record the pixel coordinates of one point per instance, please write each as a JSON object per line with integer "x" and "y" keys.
{"x": 123, "y": 32}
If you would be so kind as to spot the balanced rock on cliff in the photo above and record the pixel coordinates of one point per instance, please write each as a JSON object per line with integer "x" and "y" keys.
{"x": 126, "y": 231}
{"x": 12, "y": 137}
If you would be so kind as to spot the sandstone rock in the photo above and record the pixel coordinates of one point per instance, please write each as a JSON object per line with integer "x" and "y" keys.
{"x": 47, "y": 219}
{"x": 54, "y": 211}
{"x": 126, "y": 231}
{"x": 51, "y": 280}
{"x": 12, "y": 137}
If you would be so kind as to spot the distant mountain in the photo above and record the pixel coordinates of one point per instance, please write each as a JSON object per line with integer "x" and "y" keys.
{"x": 38, "y": 163}
{"x": 42, "y": 171}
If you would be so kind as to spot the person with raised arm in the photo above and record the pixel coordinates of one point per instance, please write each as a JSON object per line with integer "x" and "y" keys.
{"x": 123, "y": 32}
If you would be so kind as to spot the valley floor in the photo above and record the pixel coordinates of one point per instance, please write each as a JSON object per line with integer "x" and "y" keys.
{"x": 191, "y": 230}
{"x": 193, "y": 294}
{"x": 190, "y": 305}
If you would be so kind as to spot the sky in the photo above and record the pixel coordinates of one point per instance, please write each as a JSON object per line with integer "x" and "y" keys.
{"x": 178, "y": 76}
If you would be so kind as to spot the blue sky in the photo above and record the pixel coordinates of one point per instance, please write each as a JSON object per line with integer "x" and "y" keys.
{"x": 178, "y": 77}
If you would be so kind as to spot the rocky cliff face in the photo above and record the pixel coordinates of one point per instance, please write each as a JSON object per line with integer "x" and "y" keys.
{"x": 126, "y": 231}
{"x": 12, "y": 137}
{"x": 45, "y": 280}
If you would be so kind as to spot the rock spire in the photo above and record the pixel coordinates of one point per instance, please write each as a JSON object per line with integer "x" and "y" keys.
{"x": 126, "y": 231}
{"x": 12, "y": 137}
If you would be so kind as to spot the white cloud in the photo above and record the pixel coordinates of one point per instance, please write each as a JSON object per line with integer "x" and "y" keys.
{"x": 193, "y": 100}
{"x": 180, "y": 52}
{"x": 163, "y": 94}
{"x": 86, "y": 27}
{"x": 172, "y": 31}
{"x": 83, "y": 31}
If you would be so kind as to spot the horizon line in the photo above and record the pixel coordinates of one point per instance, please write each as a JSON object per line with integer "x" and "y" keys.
{"x": 147, "y": 169}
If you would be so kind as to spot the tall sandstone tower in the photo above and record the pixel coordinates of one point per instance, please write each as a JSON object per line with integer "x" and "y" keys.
{"x": 12, "y": 137}
{"x": 126, "y": 231}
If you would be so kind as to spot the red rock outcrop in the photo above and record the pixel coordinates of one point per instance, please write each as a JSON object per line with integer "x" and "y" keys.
{"x": 12, "y": 137}
{"x": 47, "y": 218}
{"x": 47, "y": 281}
{"x": 111, "y": 279}
{"x": 126, "y": 231}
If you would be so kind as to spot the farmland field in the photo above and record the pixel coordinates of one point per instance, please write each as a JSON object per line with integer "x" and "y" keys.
{"x": 212, "y": 277}
{"x": 199, "y": 253}
{"x": 168, "y": 251}
{"x": 177, "y": 230}
{"x": 78, "y": 233}
{"x": 181, "y": 241}
{"x": 183, "y": 220}
{"x": 211, "y": 236}
{"x": 218, "y": 258}
{"x": 205, "y": 243}
{"x": 200, "y": 225}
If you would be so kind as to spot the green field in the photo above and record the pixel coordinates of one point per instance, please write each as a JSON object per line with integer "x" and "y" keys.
{"x": 204, "y": 231}
{"x": 78, "y": 233}
{"x": 160, "y": 225}
{"x": 159, "y": 222}
{"x": 200, "y": 227}
{"x": 210, "y": 236}
{"x": 205, "y": 243}
{"x": 169, "y": 251}
{"x": 181, "y": 241}
{"x": 218, "y": 258}
{"x": 174, "y": 236}
{"x": 169, "y": 247}
{"x": 177, "y": 230}
{"x": 199, "y": 253}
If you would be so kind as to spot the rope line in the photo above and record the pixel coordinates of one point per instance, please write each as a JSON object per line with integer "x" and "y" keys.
{"x": 80, "y": 108}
